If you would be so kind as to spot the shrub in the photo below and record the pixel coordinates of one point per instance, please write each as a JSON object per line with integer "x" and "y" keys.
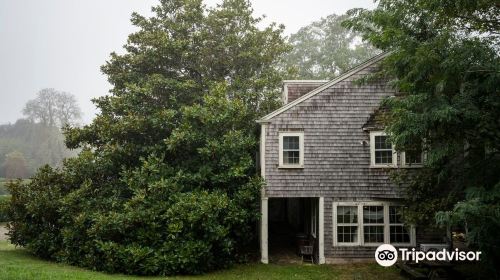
{"x": 156, "y": 230}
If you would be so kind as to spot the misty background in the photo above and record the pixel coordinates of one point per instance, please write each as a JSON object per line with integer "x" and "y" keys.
{"x": 61, "y": 44}
{"x": 51, "y": 53}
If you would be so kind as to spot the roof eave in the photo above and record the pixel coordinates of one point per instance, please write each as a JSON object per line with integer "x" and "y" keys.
{"x": 262, "y": 121}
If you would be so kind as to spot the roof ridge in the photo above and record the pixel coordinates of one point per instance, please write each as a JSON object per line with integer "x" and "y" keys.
{"x": 306, "y": 81}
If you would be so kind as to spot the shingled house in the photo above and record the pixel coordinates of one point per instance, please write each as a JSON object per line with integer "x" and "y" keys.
{"x": 326, "y": 163}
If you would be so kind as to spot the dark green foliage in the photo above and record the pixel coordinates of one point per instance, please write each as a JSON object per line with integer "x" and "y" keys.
{"x": 445, "y": 64}
{"x": 324, "y": 49}
{"x": 480, "y": 213}
{"x": 4, "y": 205}
{"x": 166, "y": 180}
{"x": 156, "y": 218}
{"x": 33, "y": 212}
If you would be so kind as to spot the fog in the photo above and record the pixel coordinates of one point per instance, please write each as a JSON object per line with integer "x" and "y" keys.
{"x": 62, "y": 43}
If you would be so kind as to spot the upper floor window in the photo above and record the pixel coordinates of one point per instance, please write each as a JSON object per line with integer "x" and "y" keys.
{"x": 382, "y": 151}
{"x": 291, "y": 149}
{"x": 412, "y": 158}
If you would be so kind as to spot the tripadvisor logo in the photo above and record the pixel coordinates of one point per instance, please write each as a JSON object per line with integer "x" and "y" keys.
{"x": 387, "y": 255}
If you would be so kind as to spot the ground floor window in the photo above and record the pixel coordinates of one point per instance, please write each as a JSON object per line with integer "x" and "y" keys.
{"x": 378, "y": 223}
{"x": 347, "y": 229}
{"x": 373, "y": 223}
{"x": 399, "y": 232}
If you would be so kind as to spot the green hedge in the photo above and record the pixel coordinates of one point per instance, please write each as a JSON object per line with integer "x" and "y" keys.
{"x": 156, "y": 231}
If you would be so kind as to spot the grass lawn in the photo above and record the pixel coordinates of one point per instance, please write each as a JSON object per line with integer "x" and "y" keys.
{"x": 16, "y": 263}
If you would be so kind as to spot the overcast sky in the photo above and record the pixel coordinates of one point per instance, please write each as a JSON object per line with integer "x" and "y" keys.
{"x": 62, "y": 43}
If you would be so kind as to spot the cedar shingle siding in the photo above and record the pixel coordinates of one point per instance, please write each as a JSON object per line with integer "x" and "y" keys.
{"x": 376, "y": 120}
{"x": 297, "y": 89}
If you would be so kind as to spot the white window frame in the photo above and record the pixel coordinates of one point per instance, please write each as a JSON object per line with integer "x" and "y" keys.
{"x": 384, "y": 224}
{"x": 373, "y": 134}
{"x": 414, "y": 165}
{"x": 360, "y": 225}
{"x": 411, "y": 229}
{"x": 300, "y": 134}
{"x": 335, "y": 241}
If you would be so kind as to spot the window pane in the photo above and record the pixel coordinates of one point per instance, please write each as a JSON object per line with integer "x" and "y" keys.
{"x": 374, "y": 234}
{"x": 395, "y": 214}
{"x": 399, "y": 234}
{"x": 413, "y": 157}
{"x": 291, "y": 157}
{"x": 382, "y": 142}
{"x": 373, "y": 214}
{"x": 290, "y": 142}
{"x": 347, "y": 234}
{"x": 347, "y": 214}
{"x": 383, "y": 157}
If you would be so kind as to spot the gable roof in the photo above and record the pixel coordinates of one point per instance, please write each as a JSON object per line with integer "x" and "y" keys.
{"x": 312, "y": 93}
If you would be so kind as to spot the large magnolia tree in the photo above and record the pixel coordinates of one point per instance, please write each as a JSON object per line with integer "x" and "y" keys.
{"x": 446, "y": 65}
{"x": 166, "y": 182}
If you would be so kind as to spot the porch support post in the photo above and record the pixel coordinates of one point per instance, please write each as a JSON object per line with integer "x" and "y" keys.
{"x": 321, "y": 229}
{"x": 263, "y": 230}
{"x": 263, "y": 200}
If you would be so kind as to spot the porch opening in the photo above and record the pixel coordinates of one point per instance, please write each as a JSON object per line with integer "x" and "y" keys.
{"x": 293, "y": 224}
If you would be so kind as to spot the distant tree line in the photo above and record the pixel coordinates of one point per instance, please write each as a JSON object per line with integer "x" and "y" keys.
{"x": 53, "y": 108}
{"x": 37, "y": 139}
{"x": 325, "y": 49}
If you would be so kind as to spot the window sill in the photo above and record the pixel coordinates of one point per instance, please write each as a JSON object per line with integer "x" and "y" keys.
{"x": 291, "y": 166}
{"x": 367, "y": 244}
{"x": 402, "y": 244}
{"x": 412, "y": 166}
{"x": 347, "y": 245}
{"x": 372, "y": 244}
{"x": 383, "y": 166}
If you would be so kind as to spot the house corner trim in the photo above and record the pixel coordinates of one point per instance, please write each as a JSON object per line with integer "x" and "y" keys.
{"x": 321, "y": 230}
{"x": 264, "y": 231}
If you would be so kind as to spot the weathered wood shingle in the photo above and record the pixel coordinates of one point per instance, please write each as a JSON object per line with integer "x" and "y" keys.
{"x": 336, "y": 156}
{"x": 377, "y": 120}
{"x": 296, "y": 89}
